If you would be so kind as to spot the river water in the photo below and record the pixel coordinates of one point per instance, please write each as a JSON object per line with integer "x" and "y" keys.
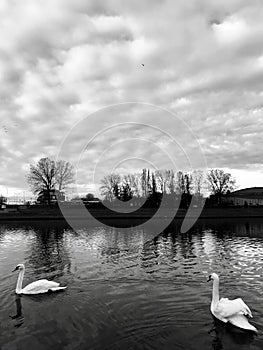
{"x": 125, "y": 292}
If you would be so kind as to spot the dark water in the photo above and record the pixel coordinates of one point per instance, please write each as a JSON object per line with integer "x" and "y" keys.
{"x": 124, "y": 293}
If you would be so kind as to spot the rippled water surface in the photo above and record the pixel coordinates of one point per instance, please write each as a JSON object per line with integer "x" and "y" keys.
{"x": 127, "y": 292}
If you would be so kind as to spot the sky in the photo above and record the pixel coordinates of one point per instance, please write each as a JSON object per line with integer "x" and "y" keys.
{"x": 122, "y": 85}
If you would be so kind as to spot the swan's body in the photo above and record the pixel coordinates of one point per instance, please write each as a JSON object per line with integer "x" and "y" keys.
{"x": 232, "y": 311}
{"x": 37, "y": 287}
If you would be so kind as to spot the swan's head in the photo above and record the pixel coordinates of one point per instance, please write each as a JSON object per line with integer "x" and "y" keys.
{"x": 213, "y": 277}
{"x": 19, "y": 267}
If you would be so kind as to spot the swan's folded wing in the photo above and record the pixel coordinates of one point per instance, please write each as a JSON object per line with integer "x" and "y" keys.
{"x": 227, "y": 308}
{"x": 40, "y": 286}
{"x": 242, "y": 322}
{"x": 246, "y": 309}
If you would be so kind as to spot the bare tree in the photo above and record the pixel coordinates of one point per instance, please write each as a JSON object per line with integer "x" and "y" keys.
{"x": 184, "y": 182}
{"x": 144, "y": 183}
{"x": 188, "y": 181}
{"x": 149, "y": 183}
{"x": 109, "y": 184}
{"x": 164, "y": 181}
{"x": 180, "y": 185}
{"x": 171, "y": 181}
{"x": 48, "y": 175}
{"x": 137, "y": 184}
{"x": 42, "y": 176}
{"x": 64, "y": 174}
{"x": 133, "y": 180}
{"x": 198, "y": 181}
{"x": 220, "y": 182}
{"x": 154, "y": 187}
{"x": 160, "y": 176}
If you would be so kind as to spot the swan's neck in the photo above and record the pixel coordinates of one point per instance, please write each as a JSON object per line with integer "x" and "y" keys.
{"x": 20, "y": 281}
{"x": 215, "y": 295}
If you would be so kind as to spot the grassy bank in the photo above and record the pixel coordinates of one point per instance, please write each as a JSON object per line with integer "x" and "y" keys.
{"x": 99, "y": 213}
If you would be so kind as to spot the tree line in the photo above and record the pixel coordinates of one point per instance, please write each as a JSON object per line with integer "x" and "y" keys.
{"x": 47, "y": 175}
{"x": 154, "y": 184}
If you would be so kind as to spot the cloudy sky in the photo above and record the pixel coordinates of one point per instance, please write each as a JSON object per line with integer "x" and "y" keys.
{"x": 115, "y": 85}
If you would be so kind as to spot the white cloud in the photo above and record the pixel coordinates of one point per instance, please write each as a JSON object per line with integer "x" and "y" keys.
{"x": 62, "y": 60}
{"x": 232, "y": 30}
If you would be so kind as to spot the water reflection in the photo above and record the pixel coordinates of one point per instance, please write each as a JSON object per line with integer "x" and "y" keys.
{"x": 18, "y": 317}
{"x": 228, "y": 337}
{"x": 48, "y": 251}
{"x": 127, "y": 291}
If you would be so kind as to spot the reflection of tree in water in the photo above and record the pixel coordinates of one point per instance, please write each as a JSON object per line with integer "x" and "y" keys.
{"x": 2, "y": 231}
{"x": 119, "y": 246}
{"x": 150, "y": 254}
{"x": 181, "y": 250}
{"x": 168, "y": 247}
{"x": 111, "y": 247}
{"x": 48, "y": 250}
{"x": 186, "y": 244}
{"x": 229, "y": 227}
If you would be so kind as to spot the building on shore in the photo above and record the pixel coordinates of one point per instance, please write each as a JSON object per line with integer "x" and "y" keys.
{"x": 55, "y": 196}
{"x": 3, "y": 201}
{"x": 252, "y": 196}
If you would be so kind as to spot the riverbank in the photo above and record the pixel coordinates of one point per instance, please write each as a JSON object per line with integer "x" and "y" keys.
{"x": 146, "y": 213}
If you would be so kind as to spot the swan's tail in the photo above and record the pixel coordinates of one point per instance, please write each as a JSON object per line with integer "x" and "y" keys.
{"x": 56, "y": 289}
{"x": 242, "y": 322}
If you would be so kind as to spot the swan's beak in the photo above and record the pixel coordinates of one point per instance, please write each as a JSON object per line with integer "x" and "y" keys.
{"x": 209, "y": 279}
{"x": 15, "y": 269}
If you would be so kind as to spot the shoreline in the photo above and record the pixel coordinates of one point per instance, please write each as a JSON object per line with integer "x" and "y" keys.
{"x": 143, "y": 214}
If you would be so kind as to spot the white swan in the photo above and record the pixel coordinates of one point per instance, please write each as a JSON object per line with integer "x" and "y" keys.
{"x": 232, "y": 311}
{"x": 37, "y": 287}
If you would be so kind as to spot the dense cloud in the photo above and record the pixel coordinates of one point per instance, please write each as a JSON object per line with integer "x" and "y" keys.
{"x": 62, "y": 60}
